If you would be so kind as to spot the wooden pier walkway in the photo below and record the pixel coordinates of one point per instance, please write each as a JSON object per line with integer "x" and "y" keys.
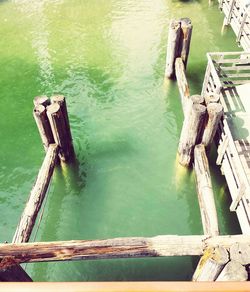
{"x": 237, "y": 14}
{"x": 228, "y": 75}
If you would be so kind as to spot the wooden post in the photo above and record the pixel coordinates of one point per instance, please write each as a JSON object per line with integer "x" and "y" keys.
{"x": 240, "y": 252}
{"x": 41, "y": 100}
{"x": 59, "y": 129}
{"x": 233, "y": 271}
{"x": 211, "y": 264}
{"x": 186, "y": 33}
{"x": 211, "y": 98}
{"x": 38, "y": 192}
{"x": 215, "y": 113}
{"x": 182, "y": 82}
{"x": 172, "y": 48}
{"x": 43, "y": 125}
{"x": 191, "y": 133}
{"x": 205, "y": 192}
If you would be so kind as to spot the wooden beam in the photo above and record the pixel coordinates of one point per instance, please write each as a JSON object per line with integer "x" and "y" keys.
{"x": 205, "y": 192}
{"x": 38, "y": 192}
{"x": 130, "y": 247}
{"x": 182, "y": 82}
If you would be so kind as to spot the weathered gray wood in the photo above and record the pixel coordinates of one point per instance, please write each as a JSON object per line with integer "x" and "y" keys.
{"x": 172, "y": 47}
{"x": 205, "y": 192}
{"x": 43, "y": 126}
{"x": 215, "y": 113}
{"x": 240, "y": 252}
{"x": 38, "y": 192}
{"x": 164, "y": 245}
{"x": 211, "y": 98}
{"x": 41, "y": 100}
{"x": 235, "y": 202}
{"x": 14, "y": 273}
{"x": 186, "y": 33}
{"x": 61, "y": 100}
{"x": 60, "y": 131}
{"x": 211, "y": 264}
{"x": 191, "y": 132}
{"x": 233, "y": 271}
{"x": 222, "y": 149}
{"x": 182, "y": 82}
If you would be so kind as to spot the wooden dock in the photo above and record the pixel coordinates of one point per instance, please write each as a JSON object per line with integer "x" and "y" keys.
{"x": 237, "y": 14}
{"x": 228, "y": 75}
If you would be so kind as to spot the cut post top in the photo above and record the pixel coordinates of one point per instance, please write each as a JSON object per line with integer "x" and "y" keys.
{"x": 41, "y": 100}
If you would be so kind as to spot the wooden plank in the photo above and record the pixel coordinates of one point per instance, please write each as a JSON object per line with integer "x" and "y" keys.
{"x": 130, "y": 247}
{"x": 182, "y": 82}
{"x": 235, "y": 202}
{"x": 37, "y": 195}
{"x": 205, "y": 192}
{"x": 222, "y": 150}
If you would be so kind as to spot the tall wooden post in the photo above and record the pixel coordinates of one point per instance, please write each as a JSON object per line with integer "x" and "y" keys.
{"x": 215, "y": 113}
{"x": 191, "y": 132}
{"x": 43, "y": 125}
{"x": 60, "y": 132}
{"x": 172, "y": 48}
{"x": 211, "y": 264}
{"x": 205, "y": 192}
{"x": 186, "y": 33}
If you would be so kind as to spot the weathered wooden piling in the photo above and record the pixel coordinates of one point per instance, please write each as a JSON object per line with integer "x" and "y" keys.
{"x": 185, "y": 39}
{"x": 41, "y": 100}
{"x": 38, "y": 192}
{"x": 215, "y": 113}
{"x": 233, "y": 271}
{"x": 172, "y": 48}
{"x": 182, "y": 82}
{"x": 211, "y": 264}
{"x": 43, "y": 125}
{"x": 240, "y": 252}
{"x": 211, "y": 98}
{"x": 179, "y": 38}
{"x": 205, "y": 192}
{"x": 191, "y": 132}
{"x": 60, "y": 129}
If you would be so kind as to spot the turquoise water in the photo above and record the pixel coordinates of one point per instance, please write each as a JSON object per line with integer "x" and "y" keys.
{"x": 107, "y": 57}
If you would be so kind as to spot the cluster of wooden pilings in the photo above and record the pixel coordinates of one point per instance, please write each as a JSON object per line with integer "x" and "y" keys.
{"x": 202, "y": 115}
{"x": 52, "y": 120}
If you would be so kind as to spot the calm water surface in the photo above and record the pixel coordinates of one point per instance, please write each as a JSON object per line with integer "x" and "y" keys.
{"x": 108, "y": 58}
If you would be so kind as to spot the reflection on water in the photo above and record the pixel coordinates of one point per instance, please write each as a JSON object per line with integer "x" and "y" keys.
{"x": 107, "y": 57}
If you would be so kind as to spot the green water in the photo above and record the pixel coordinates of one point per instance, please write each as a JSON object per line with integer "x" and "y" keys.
{"x": 108, "y": 58}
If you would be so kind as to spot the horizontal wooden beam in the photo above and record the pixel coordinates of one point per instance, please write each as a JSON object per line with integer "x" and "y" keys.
{"x": 127, "y": 247}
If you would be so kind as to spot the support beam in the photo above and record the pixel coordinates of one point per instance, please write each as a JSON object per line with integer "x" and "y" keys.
{"x": 215, "y": 113}
{"x": 191, "y": 132}
{"x": 211, "y": 264}
{"x": 205, "y": 192}
{"x": 182, "y": 82}
{"x": 233, "y": 271}
{"x": 130, "y": 247}
{"x": 43, "y": 125}
{"x": 38, "y": 192}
